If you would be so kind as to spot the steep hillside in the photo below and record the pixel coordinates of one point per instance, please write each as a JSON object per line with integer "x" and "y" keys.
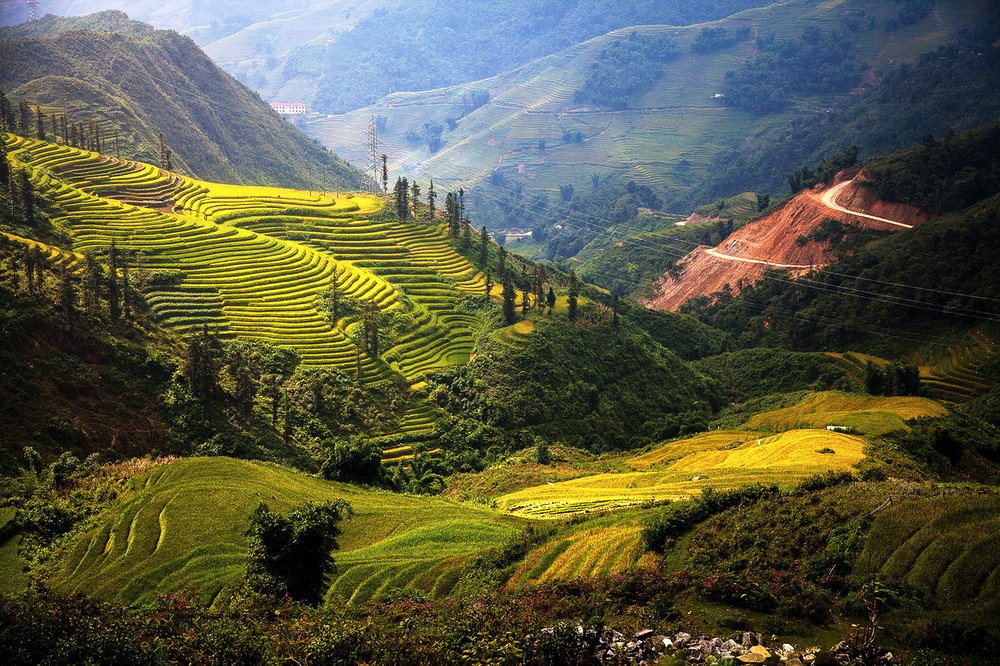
{"x": 258, "y": 262}
{"x": 796, "y": 239}
{"x": 533, "y": 134}
{"x": 138, "y": 83}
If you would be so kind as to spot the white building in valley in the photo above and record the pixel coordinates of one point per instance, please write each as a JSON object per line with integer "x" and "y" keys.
{"x": 289, "y": 108}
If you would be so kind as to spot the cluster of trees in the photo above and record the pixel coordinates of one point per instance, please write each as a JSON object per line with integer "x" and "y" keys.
{"x": 941, "y": 175}
{"x": 625, "y": 68}
{"x": 816, "y": 62}
{"x": 805, "y": 178}
{"x": 893, "y": 379}
{"x": 54, "y": 127}
{"x": 293, "y": 554}
{"x": 716, "y": 38}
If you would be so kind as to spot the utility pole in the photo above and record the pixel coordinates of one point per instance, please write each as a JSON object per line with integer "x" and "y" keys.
{"x": 373, "y": 157}
{"x": 32, "y": 10}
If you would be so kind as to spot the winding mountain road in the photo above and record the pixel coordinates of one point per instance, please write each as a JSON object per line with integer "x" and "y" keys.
{"x": 829, "y": 199}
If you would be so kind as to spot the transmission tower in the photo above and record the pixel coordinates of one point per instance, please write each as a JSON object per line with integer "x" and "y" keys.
{"x": 32, "y": 10}
{"x": 373, "y": 158}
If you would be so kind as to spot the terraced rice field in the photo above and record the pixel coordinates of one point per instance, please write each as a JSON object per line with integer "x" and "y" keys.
{"x": 951, "y": 378}
{"x": 586, "y": 554}
{"x": 720, "y": 460}
{"x": 869, "y": 415}
{"x": 184, "y": 528}
{"x": 256, "y": 261}
{"x": 943, "y": 546}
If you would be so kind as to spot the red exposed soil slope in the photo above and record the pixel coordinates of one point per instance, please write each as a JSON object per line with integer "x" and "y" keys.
{"x": 771, "y": 242}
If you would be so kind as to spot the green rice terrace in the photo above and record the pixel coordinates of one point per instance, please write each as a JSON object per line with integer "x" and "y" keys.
{"x": 255, "y": 262}
{"x": 183, "y": 524}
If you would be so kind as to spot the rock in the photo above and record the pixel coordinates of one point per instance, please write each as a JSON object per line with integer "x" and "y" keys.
{"x": 809, "y": 658}
{"x": 682, "y": 639}
{"x": 667, "y": 643}
{"x": 794, "y": 661}
{"x": 751, "y": 658}
{"x": 761, "y": 650}
{"x": 643, "y": 635}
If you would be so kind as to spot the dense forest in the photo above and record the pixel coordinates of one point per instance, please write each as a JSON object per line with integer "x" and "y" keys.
{"x": 814, "y": 63}
{"x": 624, "y": 68}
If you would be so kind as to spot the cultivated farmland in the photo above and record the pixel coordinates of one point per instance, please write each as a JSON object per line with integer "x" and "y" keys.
{"x": 184, "y": 526}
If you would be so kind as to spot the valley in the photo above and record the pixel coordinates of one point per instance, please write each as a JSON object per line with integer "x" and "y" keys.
{"x": 633, "y": 333}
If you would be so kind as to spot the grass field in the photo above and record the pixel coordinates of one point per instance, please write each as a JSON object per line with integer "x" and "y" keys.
{"x": 719, "y": 460}
{"x": 944, "y": 546}
{"x": 184, "y": 528}
{"x": 869, "y": 415}
{"x": 256, "y": 261}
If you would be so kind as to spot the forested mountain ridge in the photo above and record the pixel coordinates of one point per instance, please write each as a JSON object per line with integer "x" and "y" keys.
{"x": 141, "y": 83}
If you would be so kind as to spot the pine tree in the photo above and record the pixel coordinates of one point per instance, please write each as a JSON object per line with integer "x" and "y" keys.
{"x": 414, "y": 197}
{"x": 539, "y": 285}
{"x": 489, "y": 285}
{"x": 370, "y": 321}
{"x": 466, "y": 235}
{"x": 484, "y": 249}
{"x": 6, "y": 114}
{"x": 431, "y": 201}
{"x": 4, "y": 167}
{"x": 451, "y": 212}
{"x": 40, "y": 266}
{"x": 333, "y": 298}
{"x": 502, "y": 260}
{"x": 574, "y": 290}
{"x": 525, "y": 302}
{"x": 67, "y": 296}
{"x": 25, "y": 112}
{"x": 92, "y": 279}
{"x": 385, "y": 174}
{"x": 114, "y": 289}
{"x": 550, "y": 299}
{"x": 509, "y": 298}
{"x": 27, "y": 199}
{"x": 39, "y": 123}
{"x": 202, "y": 364}
{"x": 64, "y": 123}
{"x": 55, "y": 128}
{"x": 126, "y": 296}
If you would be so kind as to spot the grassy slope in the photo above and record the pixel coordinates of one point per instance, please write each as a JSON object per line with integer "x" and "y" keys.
{"x": 143, "y": 83}
{"x": 677, "y": 119}
{"x": 184, "y": 527}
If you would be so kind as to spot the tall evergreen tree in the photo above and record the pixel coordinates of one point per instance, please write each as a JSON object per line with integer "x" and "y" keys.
{"x": 550, "y": 299}
{"x": 501, "y": 260}
{"x": 67, "y": 296}
{"x": 7, "y": 121}
{"x": 574, "y": 292}
{"x": 385, "y": 174}
{"x": 55, "y": 129}
{"x": 539, "y": 285}
{"x": 466, "y": 235}
{"x": 484, "y": 249}
{"x": 431, "y": 201}
{"x": 370, "y": 324}
{"x": 509, "y": 299}
{"x": 114, "y": 289}
{"x": 4, "y": 167}
{"x": 525, "y": 302}
{"x": 39, "y": 123}
{"x": 414, "y": 196}
{"x": 489, "y": 284}
{"x": 92, "y": 279}
{"x": 25, "y": 112}
{"x": 126, "y": 288}
{"x": 27, "y": 199}
{"x": 333, "y": 297}
{"x": 202, "y": 364}
{"x": 64, "y": 126}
